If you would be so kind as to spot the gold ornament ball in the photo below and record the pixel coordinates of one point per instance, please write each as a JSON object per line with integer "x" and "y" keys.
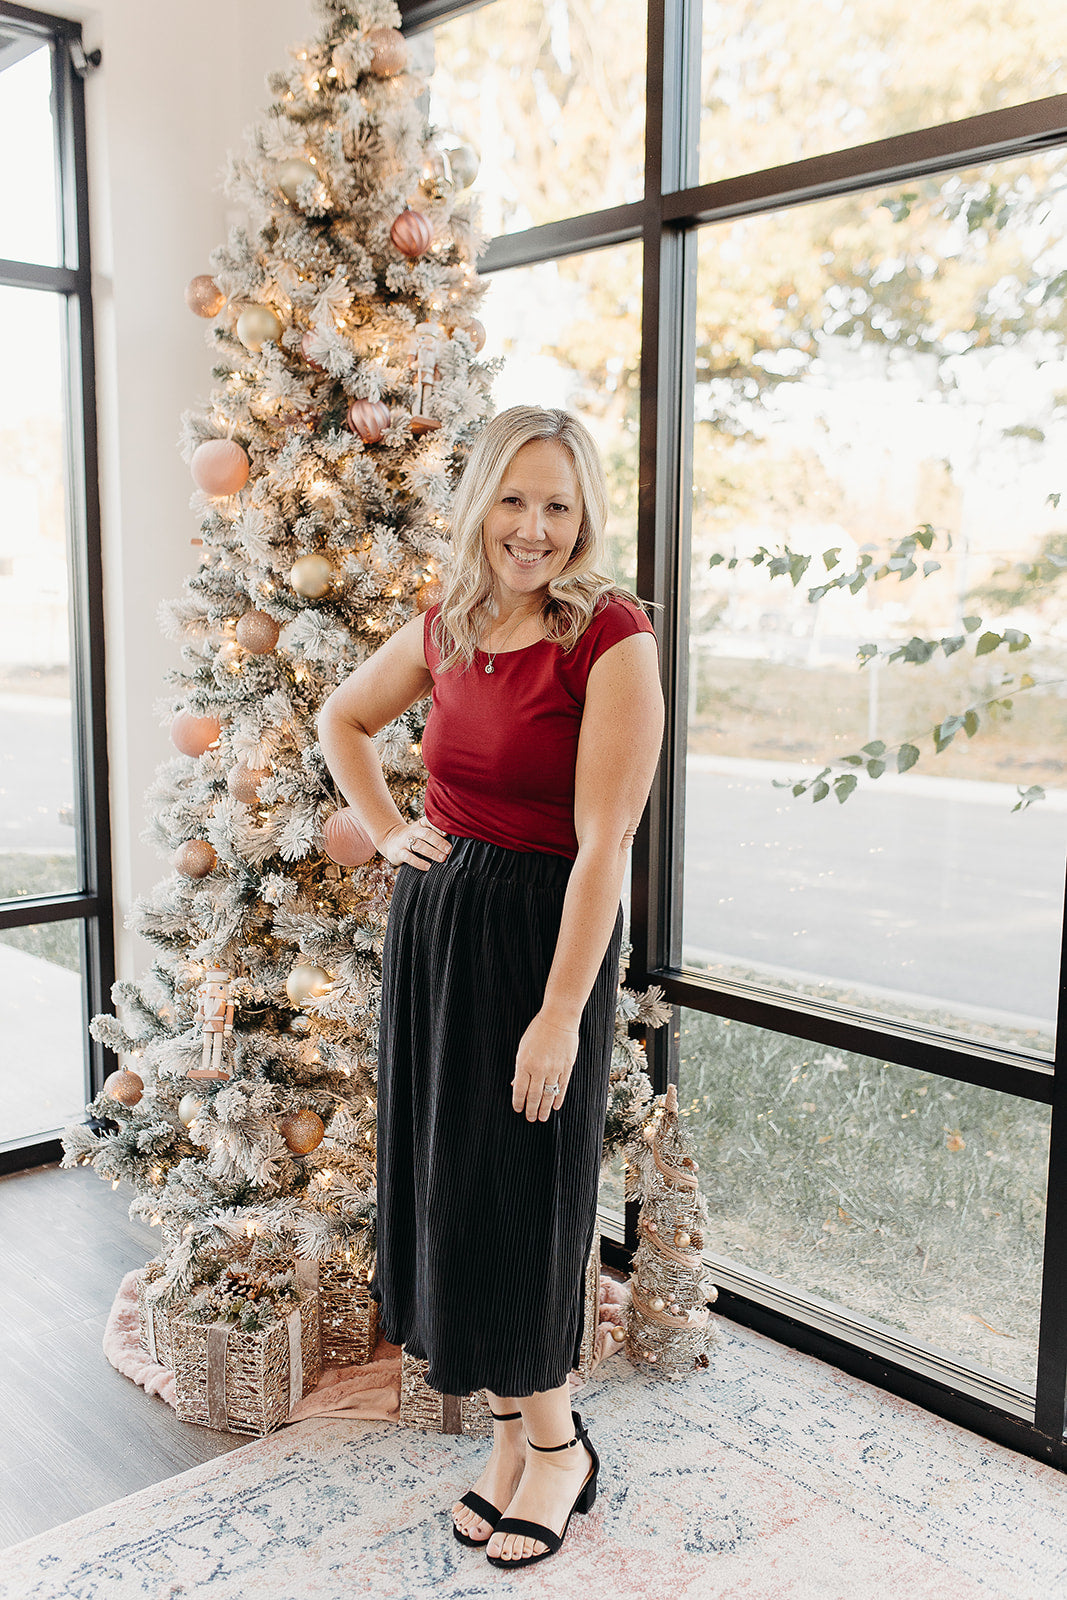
{"x": 193, "y": 735}
{"x": 292, "y": 175}
{"x": 219, "y": 467}
{"x": 195, "y": 858}
{"x": 389, "y": 52}
{"x": 311, "y": 576}
{"x": 243, "y": 783}
{"x": 189, "y": 1108}
{"x": 618, "y": 1334}
{"x": 681, "y": 1238}
{"x": 258, "y": 325}
{"x": 203, "y": 296}
{"x": 306, "y": 982}
{"x": 257, "y": 632}
{"x": 302, "y": 1131}
{"x": 436, "y": 179}
{"x": 464, "y": 163}
{"x": 125, "y": 1087}
{"x": 658, "y": 1303}
{"x": 412, "y": 234}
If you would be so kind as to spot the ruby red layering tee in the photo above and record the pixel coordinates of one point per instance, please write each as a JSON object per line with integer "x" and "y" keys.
{"x": 500, "y": 747}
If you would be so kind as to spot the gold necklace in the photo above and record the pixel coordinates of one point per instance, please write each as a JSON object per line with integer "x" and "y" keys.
{"x": 489, "y": 667}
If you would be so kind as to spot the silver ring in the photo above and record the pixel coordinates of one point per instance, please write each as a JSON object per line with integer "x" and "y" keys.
{"x": 550, "y": 1088}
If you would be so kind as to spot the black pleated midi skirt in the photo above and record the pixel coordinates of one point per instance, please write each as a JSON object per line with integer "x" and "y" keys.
{"x": 485, "y": 1220}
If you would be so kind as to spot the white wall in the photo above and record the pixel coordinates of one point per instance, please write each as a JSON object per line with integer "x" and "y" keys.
{"x": 177, "y": 87}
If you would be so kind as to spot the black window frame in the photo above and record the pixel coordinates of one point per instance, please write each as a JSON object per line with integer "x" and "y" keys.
{"x": 666, "y": 221}
{"x": 91, "y": 906}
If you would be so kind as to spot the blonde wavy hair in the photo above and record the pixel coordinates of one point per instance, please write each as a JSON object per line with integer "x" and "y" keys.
{"x": 571, "y": 598}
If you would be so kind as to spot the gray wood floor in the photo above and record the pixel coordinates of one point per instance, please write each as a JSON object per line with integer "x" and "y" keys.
{"x": 75, "y": 1434}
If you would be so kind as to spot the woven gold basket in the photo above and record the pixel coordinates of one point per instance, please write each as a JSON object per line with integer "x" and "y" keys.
{"x": 349, "y": 1316}
{"x": 154, "y": 1322}
{"x": 245, "y": 1382}
{"x": 423, "y": 1407}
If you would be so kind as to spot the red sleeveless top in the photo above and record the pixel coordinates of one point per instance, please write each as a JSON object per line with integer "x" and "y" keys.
{"x": 501, "y": 747}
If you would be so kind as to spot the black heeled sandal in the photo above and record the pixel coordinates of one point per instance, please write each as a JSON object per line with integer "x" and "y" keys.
{"x": 534, "y": 1530}
{"x": 480, "y": 1507}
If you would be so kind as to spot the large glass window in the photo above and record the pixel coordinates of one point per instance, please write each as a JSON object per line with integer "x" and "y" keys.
{"x": 782, "y": 81}
{"x": 913, "y": 1200}
{"x": 55, "y": 913}
{"x": 551, "y": 98}
{"x": 911, "y": 376}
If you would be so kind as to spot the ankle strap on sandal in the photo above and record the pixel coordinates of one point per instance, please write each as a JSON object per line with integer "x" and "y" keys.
{"x": 567, "y": 1445}
{"x": 512, "y": 1416}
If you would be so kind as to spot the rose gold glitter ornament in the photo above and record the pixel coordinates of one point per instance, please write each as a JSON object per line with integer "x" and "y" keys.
{"x": 125, "y": 1087}
{"x": 427, "y": 594}
{"x": 302, "y": 1131}
{"x": 368, "y": 418}
{"x": 243, "y": 783}
{"x": 412, "y": 234}
{"x": 193, "y": 735}
{"x": 219, "y": 467}
{"x": 390, "y": 51}
{"x": 195, "y": 858}
{"x": 203, "y": 296}
{"x": 257, "y": 632}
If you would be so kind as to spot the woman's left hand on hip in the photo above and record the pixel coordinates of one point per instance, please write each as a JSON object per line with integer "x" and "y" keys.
{"x": 543, "y": 1068}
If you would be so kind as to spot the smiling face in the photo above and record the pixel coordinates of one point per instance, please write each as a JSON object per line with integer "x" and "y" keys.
{"x": 530, "y": 530}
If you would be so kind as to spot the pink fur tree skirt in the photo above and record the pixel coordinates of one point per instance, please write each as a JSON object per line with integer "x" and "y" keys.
{"x": 371, "y": 1391}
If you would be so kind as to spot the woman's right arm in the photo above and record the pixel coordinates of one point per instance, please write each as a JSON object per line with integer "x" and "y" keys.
{"x": 394, "y": 678}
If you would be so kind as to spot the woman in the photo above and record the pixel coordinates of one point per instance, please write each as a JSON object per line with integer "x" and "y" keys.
{"x": 501, "y": 957}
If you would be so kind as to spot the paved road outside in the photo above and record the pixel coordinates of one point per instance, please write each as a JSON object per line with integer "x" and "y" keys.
{"x": 927, "y": 886}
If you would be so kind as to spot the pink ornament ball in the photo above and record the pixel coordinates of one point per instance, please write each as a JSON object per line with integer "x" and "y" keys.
{"x": 475, "y": 332}
{"x": 305, "y": 347}
{"x": 345, "y": 840}
{"x": 193, "y": 735}
{"x": 203, "y": 296}
{"x": 243, "y": 783}
{"x": 390, "y": 52}
{"x": 368, "y": 418}
{"x": 219, "y": 467}
{"x": 411, "y": 233}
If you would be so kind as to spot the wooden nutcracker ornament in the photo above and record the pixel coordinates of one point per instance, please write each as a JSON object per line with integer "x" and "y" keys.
{"x": 214, "y": 1012}
{"x": 427, "y": 344}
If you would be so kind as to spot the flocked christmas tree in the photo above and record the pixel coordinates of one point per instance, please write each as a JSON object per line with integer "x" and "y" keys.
{"x": 669, "y": 1323}
{"x": 347, "y": 391}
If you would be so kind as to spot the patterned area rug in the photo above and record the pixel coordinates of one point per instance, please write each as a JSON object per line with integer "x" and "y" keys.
{"x": 769, "y": 1476}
